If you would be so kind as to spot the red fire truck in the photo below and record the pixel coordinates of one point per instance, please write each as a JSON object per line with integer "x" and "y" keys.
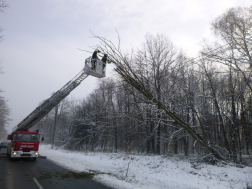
{"x": 24, "y": 144}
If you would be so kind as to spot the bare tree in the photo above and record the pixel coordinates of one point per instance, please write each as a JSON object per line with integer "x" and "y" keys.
{"x": 3, "y": 5}
{"x": 4, "y": 117}
{"x": 124, "y": 69}
{"x": 4, "y": 109}
{"x": 155, "y": 59}
{"x": 234, "y": 29}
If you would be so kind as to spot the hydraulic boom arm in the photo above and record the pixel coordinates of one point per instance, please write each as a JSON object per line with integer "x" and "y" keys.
{"x": 51, "y": 102}
{"x": 34, "y": 117}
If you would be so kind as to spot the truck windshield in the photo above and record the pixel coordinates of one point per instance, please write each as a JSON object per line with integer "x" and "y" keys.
{"x": 27, "y": 138}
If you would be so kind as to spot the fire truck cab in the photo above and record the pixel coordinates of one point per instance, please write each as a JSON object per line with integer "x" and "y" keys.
{"x": 24, "y": 144}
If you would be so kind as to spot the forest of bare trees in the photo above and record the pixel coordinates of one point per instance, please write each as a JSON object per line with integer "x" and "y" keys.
{"x": 165, "y": 102}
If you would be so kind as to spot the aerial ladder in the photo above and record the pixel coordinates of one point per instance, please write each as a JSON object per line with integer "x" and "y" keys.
{"x": 24, "y": 143}
{"x": 55, "y": 99}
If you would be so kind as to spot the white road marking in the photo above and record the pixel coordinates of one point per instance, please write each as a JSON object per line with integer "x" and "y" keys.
{"x": 35, "y": 180}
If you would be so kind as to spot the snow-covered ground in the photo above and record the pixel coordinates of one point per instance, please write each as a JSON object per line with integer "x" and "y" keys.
{"x": 151, "y": 172}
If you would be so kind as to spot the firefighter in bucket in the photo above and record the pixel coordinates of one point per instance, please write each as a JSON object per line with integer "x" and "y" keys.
{"x": 94, "y": 58}
{"x": 104, "y": 60}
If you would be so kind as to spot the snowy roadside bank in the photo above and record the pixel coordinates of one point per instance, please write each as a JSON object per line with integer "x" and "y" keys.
{"x": 150, "y": 172}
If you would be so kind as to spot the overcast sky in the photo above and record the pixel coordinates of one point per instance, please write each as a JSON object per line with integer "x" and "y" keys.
{"x": 40, "y": 39}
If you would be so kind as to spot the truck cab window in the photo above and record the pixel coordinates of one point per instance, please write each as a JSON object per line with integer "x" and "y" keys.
{"x": 27, "y": 138}
{"x": 20, "y": 137}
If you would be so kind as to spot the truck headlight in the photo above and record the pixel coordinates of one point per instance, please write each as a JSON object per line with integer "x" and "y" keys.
{"x": 36, "y": 153}
{"x": 14, "y": 153}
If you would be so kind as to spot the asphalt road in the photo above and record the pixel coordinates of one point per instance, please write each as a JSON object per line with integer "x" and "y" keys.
{"x": 42, "y": 174}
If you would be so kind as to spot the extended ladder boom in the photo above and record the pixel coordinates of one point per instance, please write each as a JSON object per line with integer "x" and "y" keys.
{"x": 51, "y": 102}
{"x": 34, "y": 117}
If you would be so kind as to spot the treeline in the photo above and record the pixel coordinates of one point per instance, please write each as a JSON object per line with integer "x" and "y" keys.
{"x": 175, "y": 104}
{"x": 4, "y": 118}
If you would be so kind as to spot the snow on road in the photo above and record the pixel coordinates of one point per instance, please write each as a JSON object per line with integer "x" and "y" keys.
{"x": 124, "y": 171}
